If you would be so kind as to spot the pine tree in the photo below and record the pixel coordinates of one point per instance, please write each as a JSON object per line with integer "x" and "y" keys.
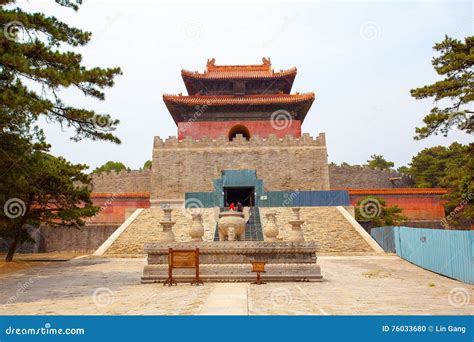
{"x": 43, "y": 190}
{"x": 456, "y": 90}
{"x": 35, "y": 187}
{"x": 378, "y": 161}
{"x": 31, "y": 47}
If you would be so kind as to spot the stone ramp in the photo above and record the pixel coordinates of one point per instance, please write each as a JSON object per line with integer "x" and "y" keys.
{"x": 333, "y": 232}
{"x": 146, "y": 228}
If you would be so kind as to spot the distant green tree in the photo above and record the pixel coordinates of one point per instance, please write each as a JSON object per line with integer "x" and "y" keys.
{"x": 147, "y": 165}
{"x": 403, "y": 169}
{"x": 452, "y": 168}
{"x": 111, "y": 166}
{"x": 430, "y": 166}
{"x": 48, "y": 190}
{"x": 375, "y": 209}
{"x": 378, "y": 161}
{"x": 456, "y": 90}
{"x": 459, "y": 178}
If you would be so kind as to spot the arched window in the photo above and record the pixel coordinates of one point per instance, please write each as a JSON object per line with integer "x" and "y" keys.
{"x": 239, "y": 129}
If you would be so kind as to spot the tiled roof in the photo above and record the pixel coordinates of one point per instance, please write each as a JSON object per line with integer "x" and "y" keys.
{"x": 264, "y": 99}
{"x": 255, "y": 71}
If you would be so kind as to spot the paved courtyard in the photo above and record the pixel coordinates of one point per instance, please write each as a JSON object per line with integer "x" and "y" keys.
{"x": 353, "y": 285}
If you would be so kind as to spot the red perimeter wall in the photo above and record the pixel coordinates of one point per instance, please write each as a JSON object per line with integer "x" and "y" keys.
{"x": 116, "y": 207}
{"x": 214, "y": 129}
{"x": 417, "y": 204}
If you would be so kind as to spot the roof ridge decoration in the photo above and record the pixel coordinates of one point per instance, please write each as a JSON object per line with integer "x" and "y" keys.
{"x": 265, "y": 66}
{"x": 251, "y": 71}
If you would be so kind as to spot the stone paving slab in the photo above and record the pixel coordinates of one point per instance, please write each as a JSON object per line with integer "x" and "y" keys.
{"x": 227, "y": 299}
{"x": 352, "y": 285}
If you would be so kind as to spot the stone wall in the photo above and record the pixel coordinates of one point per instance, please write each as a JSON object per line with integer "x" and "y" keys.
{"x": 123, "y": 181}
{"x": 87, "y": 238}
{"x": 190, "y": 165}
{"x": 306, "y": 152}
{"x": 360, "y": 177}
{"x": 64, "y": 239}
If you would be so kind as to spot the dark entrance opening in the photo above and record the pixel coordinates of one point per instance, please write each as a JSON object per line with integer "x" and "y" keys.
{"x": 244, "y": 195}
{"x": 239, "y": 129}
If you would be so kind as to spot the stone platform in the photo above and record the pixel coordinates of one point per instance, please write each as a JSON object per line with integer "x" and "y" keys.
{"x": 231, "y": 261}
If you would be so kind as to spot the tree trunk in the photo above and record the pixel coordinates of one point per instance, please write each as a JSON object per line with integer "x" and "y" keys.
{"x": 12, "y": 248}
{"x": 17, "y": 236}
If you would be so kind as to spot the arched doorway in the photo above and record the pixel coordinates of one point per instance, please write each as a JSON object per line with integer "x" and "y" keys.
{"x": 239, "y": 129}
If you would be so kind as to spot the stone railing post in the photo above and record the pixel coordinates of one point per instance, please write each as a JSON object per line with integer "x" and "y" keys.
{"x": 167, "y": 224}
{"x": 296, "y": 233}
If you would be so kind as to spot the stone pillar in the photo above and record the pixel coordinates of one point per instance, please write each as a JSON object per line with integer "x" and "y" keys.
{"x": 197, "y": 229}
{"x": 167, "y": 224}
{"x": 296, "y": 233}
{"x": 271, "y": 229}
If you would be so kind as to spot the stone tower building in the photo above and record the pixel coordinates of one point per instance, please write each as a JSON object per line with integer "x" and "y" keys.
{"x": 239, "y": 137}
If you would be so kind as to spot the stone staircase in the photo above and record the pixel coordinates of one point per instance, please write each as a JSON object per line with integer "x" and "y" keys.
{"x": 254, "y": 231}
{"x": 325, "y": 225}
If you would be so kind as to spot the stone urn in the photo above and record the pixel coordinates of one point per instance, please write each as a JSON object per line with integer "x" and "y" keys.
{"x": 231, "y": 225}
{"x": 167, "y": 223}
{"x": 296, "y": 233}
{"x": 271, "y": 229}
{"x": 197, "y": 229}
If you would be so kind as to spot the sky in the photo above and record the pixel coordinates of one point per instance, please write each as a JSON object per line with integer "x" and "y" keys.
{"x": 360, "y": 58}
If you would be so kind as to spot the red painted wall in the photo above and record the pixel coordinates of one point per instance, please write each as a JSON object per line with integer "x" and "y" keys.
{"x": 415, "y": 207}
{"x": 214, "y": 129}
{"x": 116, "y": 207}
